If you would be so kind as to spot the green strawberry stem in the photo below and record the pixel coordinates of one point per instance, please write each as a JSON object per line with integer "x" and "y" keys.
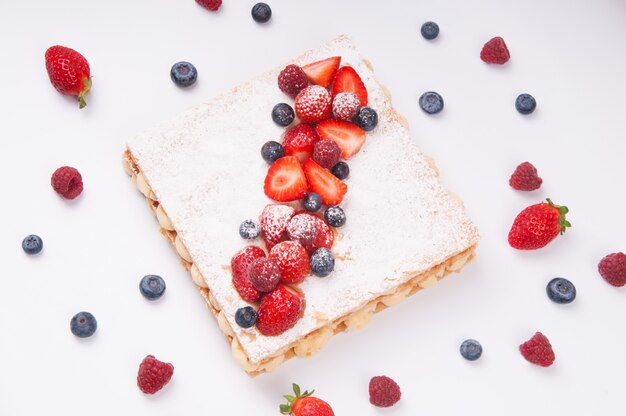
{"x": 563, "y": 210}
{"x": 81, "y": 96}
{"x": 285, "y": 409}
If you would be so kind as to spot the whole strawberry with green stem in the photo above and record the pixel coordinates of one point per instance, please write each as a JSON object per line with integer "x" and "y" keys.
{"x": 537, "y": 225}
{"x": 69, "y": 72}
{"x": 304, "y": 404}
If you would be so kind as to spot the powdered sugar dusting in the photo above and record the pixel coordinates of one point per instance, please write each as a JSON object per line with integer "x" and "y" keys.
{"x": 313, "y": 104}
{"x": 345, "y": 106}
{"x": 274, "y": 220}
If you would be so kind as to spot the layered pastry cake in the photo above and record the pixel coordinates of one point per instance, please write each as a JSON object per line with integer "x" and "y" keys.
{"x": 202, "y": 174}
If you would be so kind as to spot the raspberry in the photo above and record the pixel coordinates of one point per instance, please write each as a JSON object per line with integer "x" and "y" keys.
{"x": 153, "y": 374}
{"x": 212, "y": 5}
{"x": 326, "y": 153}
{"x": 240, "y": 264}
{"x": 346, "y": 106}
{"x": 538, "y": 350}
{"x": 384, "y": 392}
{"x": 313, "y": 104}
{"x": 292, "y": 261}
{"x": 67, "y": 182}
{"x": 264, "y": 274}
{"x": 525, "y": 178}
{"x": 495, "y": 51}
{"x": 292, "y": 80}
{"x": 613, "y": 269}
{"x": 310, "y": 231}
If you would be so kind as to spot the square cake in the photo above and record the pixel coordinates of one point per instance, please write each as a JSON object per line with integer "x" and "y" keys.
{"x": 202, "y": 175}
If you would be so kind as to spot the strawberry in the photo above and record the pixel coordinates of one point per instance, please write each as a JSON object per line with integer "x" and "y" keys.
{"x": 348, "y": 136}
{"x": 285, "y": 180}
{"x": 537, "y": 225}
{"x": 69, "y": 72}
{"x": 347, "y": 80}
{"x": 313, "y": 104}
{"x": 310, "y": 231}
{"x": 324, "y": 183}
{"x": 292, "y": 261}
{"x": 299, "y": 141}
{"x": 304, "y": 404}
{"x": 279, "y": 310}
{"x": 274, "y": 220}
{"x": 495, "y": 51}
{"x": 322, "y": 72}
{"x": 240, "y": 265}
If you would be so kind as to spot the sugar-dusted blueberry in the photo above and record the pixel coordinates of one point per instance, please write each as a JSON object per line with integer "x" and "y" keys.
{"x": 334, "y": 216}
{"x": 430, "y": 30}
{"x": 283, "y": 114}
{"x": 312, "y": 202}
{"x": 341, "y": 170}
{"x": 272, "y": 151}
{"x": 83, "y": 324}
{"x": 366, "y": 118}
{"x": 184, "y": 74}
{"x": 261, "y": 12}
{"x": 525, "y": 103}
{"x": 152, "y": 287}
{"x": 249, "y": 229}
{"x": 561, "y": 290}
{"x": 32, "y": 244}
{"x": 246, "y": 317}
{"x": 431, "y": 102}
{"x": 322, "y": 262}
{"x": 471, "y": 349}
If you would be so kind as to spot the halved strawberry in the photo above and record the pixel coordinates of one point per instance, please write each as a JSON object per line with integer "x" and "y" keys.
{"x": 348, "y": 136}
{"x": 285, "y": 180}
{"x": 299, "y": 141}
{"x": 322, "y": 72}
{"x": 324, "y": 183}
{"x": 274, "y": 220}
{"x": 347, "y": 80}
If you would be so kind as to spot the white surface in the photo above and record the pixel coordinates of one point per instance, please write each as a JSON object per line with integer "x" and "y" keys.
{"x": 569, "y": 55}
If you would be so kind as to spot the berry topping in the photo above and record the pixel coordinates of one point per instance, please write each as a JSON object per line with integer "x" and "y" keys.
{"x": 366, "y": 118}
{"x": 83, "y": 324}
{"x": 283, "y": 114}
{"x": 239, "y": 264}
{"x": 525, "y": 103}
{"x": 264, "y": 274}
{"x": 292, "y": 80}
{"x": 303, "y": 404}
{"x": 348, "y": 136}
{"x": 285, "y": 180}
{"x": 322, "y": 72}
{"x": 299, "y": 141}
{"x": 152, "y": 287}
{"x": 495, "y": 51}
{"x": 67, "y": 182}
{"x": 312, "y": 202}
{"x": 184, "y": 74}
{"x": 246, "y": 317}
{"x": 525, "y": 178}
{"x": 347, "y": 80}
{"x": 537, "y": 225}
{"x": 313, "y": 104}
{"x": 613, "y": 269}
{"x": 212, "y": 5}
{"x": 430, "y": 30}
{"x": 272, "y": 151}
{"x": 538, "y": 350}
{"x": 249, "y": 229}
{"x": 310, "y": 231}
{"x": 153, "y": 374}
{"x": 335, "y": 216}
{"x": 471, "y": 349}
{"x": 292, "y": 261}
{"x": 261, "y": 13}
{"x": 326, "y": 153}
{"x": 346, "y": 106}
{"x": 322, "y": 262}
{"x": 33, "y": 244}
{"x": 274, "y": 220}
{"x": 341, "y": 170}
{"x": 431, "y": 102}
{"x": 561, "y": 290}
{"x": 279, "y": 310}
{"x": 69, "y": 72}
{"x": 384, "y": 392}
{"x": 324, "y": 183}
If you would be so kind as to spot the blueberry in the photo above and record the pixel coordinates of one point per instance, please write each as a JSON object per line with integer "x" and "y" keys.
{"x": 341, "y": 170}
{"x": 431, "y": 102}
{"x": 261, "y": 13}
{"x": 312, "y": 202}
{"x": 322, "y": 262}
{"x": 249, "y": 229}
{"x": 525, "y": 103}
{"x": 430, "y": 30}
{"x": 366, "y": 118}
{"x": 272, "y": 151}
{"x": 152, "y": 287}
{"x": 32, "y": 244}
{"x": 471, "y": 349}
{"x": 283, "y": 114}
{"x": 334, "y": 216}
{"x": 246, "y": 317}
{"x": 561, "y": 290}
{"x": 184, "y": 74}
{"x": 83, "y": 324}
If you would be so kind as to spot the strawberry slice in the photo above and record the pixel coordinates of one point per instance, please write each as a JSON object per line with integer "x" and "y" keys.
{"x": 285, "y": 180}
{"x": 322, "y": 72}
{"x": 347, "y": 80}
{"x": 274, "y": 220}
{"x": 324, "y": 183}
{"x": 348, "y": 136}
{"x": 299, "y": 141}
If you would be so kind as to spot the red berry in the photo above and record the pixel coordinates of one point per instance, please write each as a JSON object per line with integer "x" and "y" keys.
{"x": 613, "y": 269}
{"x": 326, "y": 153}
{"x": 346, "y": 106}
{"x": 240, "y": 265}
{"x": 69, "y": 72}
{"x": 264, "y": 274}
{"x": 310, "y": 231}
{"x": 285, "y": 180}
{"x": 348, "y": 136}
{"x": 274, "y": 220}
{"x": 384, "y": 392}
{"x": 313, "y": 104}
{"x": 212, "y": 5}
{"x": 304, "y": 404}
{"x": 279, "y": 310}
{"x": 67, "y": 182}
{"x": 538, "y": 350}
{"x": 292, "y": 261}
{"x": 299, "y": 141}
{"x": 324, "y": 183}
{"x": 153, "y": 374}
{"x": 347, "y": 80}
{"x": 292, "y": 80}
{"x": 495, "y": 51}
{"x": 537, "y": 225}
{"x": 525, "y": 178}
{"x": 322, "y": 72}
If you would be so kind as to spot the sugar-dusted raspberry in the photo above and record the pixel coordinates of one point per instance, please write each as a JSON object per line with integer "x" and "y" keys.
{"x": 326, "y": 153}
{"x": 613, "y": 269}
{"x": 384, "y": 392}
{"x": 264, "y": 274}
{"x": 525, "y": 178}
{"x": 67, "y": 182}
{"x": 292, "y": 80}
{"x": 538, "y": 350}
{"x": 346, "y": 106}
{"x": 313, "y": 104}
{"x": 311, "y": 231}
{"x": 212, "y": 5}
{"x": 292, "y": 260}
{"x": 240, "y": 264}
{"x": 153, "y": 374}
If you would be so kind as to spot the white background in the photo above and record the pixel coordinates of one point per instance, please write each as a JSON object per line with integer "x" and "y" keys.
{"x": 569, "y": 54}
